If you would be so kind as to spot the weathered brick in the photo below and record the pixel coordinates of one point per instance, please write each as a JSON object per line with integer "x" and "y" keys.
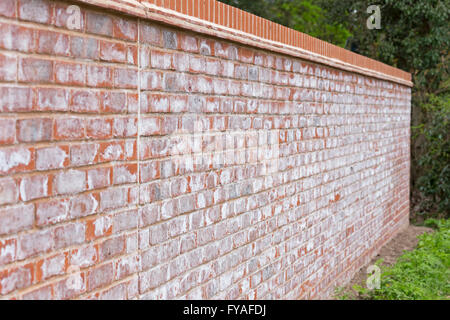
{"x": 35, "y": 10}
{"x": 35, "y": 70}
{"x": 33, "y": 187}
{"x": 71, "y": 181}
{"x": 35, "y": 129}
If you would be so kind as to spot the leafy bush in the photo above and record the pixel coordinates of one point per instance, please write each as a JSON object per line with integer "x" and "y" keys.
{"x": 434, "y": 182}
{"x": 421, "y": 274}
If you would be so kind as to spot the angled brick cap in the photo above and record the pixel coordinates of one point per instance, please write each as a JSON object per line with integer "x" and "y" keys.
{"x": 219, "y": 19}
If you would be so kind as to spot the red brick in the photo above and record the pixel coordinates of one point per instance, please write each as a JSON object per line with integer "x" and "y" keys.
{"x": 8, "y": 8}
{"x": 71, "y": 181}
{"x": 125, "y": 78}
{"x": 125, "y": 173}
{"x": 16, "y": 38}
{"x": 124, "y": 29}
{"x": 100, "y": 276}
{"x": 150, "y": 34}
{"x": 99, "y": 76}
{"x": 17, "y": 278}
{"x": 16, "y": 159}
{"x": 113, "y": 52}
{"x": 99, "y": 128}
{"x": 52, "y": 99}
{"x": 35, "y": 10}
{"x": 44, "y": 293}
{"x": 85, "y": 101}
{"x": 35, "y": 70}
{"x": 52, "y": 158}
{"x": 84, "y": 154}
{"x": 70, "y": 234}
{"x": 7, "y": 131}
{"x": 35, "y": 129}
{"x": 7, "y": 251}
{"x": 69, "y": 128}
{"x": 34, "y": 243}
{"x": 99, "y": 177}
{"x": 16, "y": 99}
{"x": 99, "y": 23}
{"x": 84, "y": 48}
{"x": 52, "y": 43}
{"x": 73, "y": 74}
{"x": 33, "y": 187}
{"x": 52, "y": 211}
{"x": 83, "y": 205}
{"x": 8, "y": 67}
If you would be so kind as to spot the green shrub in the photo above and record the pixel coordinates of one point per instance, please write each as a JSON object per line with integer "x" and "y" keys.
{"x": 421, "y": 274}
{"x": 434, "y": 182}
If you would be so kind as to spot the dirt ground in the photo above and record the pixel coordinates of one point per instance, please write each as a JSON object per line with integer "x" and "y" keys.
{"x": 406, "y": 240}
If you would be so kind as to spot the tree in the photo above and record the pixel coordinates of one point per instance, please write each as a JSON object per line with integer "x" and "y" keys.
{"x": 302, "y": 15}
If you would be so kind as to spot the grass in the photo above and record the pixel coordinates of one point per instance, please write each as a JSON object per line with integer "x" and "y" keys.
{"x": 420, "y": 274}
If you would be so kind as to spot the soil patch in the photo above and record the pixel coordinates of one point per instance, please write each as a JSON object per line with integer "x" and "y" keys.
{"x": 405, "y": 240}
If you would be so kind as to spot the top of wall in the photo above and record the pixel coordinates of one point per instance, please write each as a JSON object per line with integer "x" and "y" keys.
{"x": 218, "y": 19}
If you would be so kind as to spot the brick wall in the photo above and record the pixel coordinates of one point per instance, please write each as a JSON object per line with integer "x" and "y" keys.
{"x": 143, "y": 160}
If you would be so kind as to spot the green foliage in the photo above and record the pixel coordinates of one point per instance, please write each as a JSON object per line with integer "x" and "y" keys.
{"x": 302, "y": 15}
{"x": 414, "y": 35}
{"x": 421, "y": 274}
{"x": 434, "y": 183}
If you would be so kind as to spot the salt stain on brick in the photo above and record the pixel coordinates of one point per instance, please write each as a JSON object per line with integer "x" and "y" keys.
{"x": 99, "y": 128}
{"x": 99, "y": 76}
{"x": 113, "y": 52}
{"x": 69, "y": 128}
{"x": 34, "y": 243}
{"x": 85, "y": 101}
{"x": 8, "y": 8}
{"x": 113, "y": 198}
{"x": 52, "y": 266}
{"x": 17, "y": 278}
{"x": 8, "y": 67}
{"x": 35, "y": 70}
{"x": 125, "y": 127}
{"x": 53, "y": 43}
{"x": 98, "y": 178}
{"x": 34, "y": 187}
{"x": 51, "y": 158}
{"x": 7, "y": 131}
{"x": 150, "y": 34}
{"x": 69, "y": 235}
{"x": 35, "y": 10}
{"x": 99, "y": 23}
{"x": 52, "y": 211}
{"x": 112, "y": 152}
{"x": 84, "y": 48}
{"x": 16, "y": 38}
{"x": 14, "y": 158}
{"x": 125, "y": 174}
{"x": 70, "y": 73}
{"x": 16, "y": 99}
{"x": 9, "y": 192}
{"x": 100, "y": 276}
{"x": 83, "y": 154}
{"x": 84, "y": 257}
{"x": 52, "y": 99}
{"x": 7, "y": 251}
{"x": 83, "y": 205}
{"x": 37, "y": 129}
{"x": 70, "y": 182}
